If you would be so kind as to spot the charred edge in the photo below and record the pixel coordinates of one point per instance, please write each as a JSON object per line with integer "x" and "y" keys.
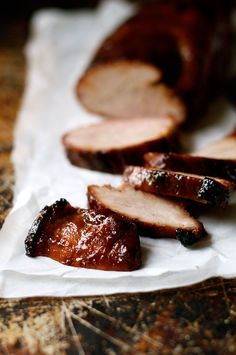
{"x": 115, "y": 161}
{"x": 86, "y": 160}
{"x": 186, "y": 237}
{"x": 151, "y": 177}
{"x": 160, "y": 176}
{"x": 230, "y": 170}
{"x": 108, "y": 162}
{"x": 112, "y": 162}
{"x": 48, "y": 213}
{"x": 213, "y": 193}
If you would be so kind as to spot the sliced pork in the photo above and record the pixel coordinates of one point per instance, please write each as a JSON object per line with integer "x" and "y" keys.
{"x": 198, "y": 188}
{"x": 111, "y": 145}
{"x": 224, "y": 148}
{"x": 155, "y": 216}
{"x": 193, "y": 164}
{"x": 84, "y": 238}
{"x": 127, "y": 89}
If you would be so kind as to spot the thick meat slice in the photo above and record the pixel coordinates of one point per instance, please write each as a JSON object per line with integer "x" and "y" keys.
{"x": 194, "y": 187}
{"x": 84, "y": 238}
{"x": 155, "y": 217}
{"x": 127, "y": 89}
{"x": 221, "y": 149}
{"x": 221, "y": 168}
{"x": 110, "y": 145}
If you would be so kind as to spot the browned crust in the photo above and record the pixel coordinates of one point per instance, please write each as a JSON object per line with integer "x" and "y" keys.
{"x": 187, "y": 237}
{"x": 114, "y": 160}
{"x": 47, "y": 215}
{"x": 163, "y": 182}
{"x": 221, "y": 168}
{"x": 130, "y": 42}
{"x": 162, "y": 25}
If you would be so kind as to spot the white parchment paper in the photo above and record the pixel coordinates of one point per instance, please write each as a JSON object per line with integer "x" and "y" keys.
{"x": 59, "y": 49}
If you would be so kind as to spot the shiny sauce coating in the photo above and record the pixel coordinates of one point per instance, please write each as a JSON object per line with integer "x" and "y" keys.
{"x": 85, "y": 238}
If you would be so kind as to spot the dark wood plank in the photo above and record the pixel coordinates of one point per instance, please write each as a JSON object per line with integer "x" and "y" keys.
{"x": 193, "y": 320}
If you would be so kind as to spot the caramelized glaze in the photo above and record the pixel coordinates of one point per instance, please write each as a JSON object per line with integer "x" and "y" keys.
{"x": 84, "y": 238}
{"x": 198, "y": 188}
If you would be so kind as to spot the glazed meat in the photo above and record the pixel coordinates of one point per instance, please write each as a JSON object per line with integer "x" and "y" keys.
{"x": 111, "y": 145}
{"x": 84, "y": 238}
{"x": 194, "y": 187}
{"x": 220, "y": 168}
{"x": 188, "y": 43}
{"x": 155, "y": 217}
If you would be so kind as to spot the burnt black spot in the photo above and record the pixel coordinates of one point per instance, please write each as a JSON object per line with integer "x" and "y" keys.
{"x": 212, "y": 192}
{"x": 160, "y": 176}
{"x": 230, "y": 89}
{"x": 231, "y": 171}
{"x": 186, "y": 237}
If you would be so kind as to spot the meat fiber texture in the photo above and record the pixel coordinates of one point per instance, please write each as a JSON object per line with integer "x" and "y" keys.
{"x": 61, "y": 46}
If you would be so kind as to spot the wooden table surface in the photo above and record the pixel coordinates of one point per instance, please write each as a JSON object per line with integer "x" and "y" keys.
{"x": 193, "y": 320}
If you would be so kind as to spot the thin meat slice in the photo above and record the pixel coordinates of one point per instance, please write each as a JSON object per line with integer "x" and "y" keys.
{"x": 220, "y": 168}
{"x": 84, "y": 238}
{"x": 111, "y": 145}
{"x": 224, "y": 148}
{"x": 155, "y": 217}
{"x": 198, "y": 188}
{"x": 125, "y": 89}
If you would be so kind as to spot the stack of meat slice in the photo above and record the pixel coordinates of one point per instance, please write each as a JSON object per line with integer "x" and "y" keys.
{"x": 156, "y": 216}
{"x": 105, "y": 236}
{"x": 207, "y": 176}
{"x": 217, "y": 159}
